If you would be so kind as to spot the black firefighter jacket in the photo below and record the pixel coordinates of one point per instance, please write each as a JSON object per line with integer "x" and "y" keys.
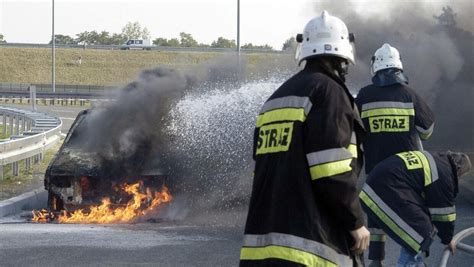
{"x": 408, "y": 193}
{"x": 395, "y": 118}
{"x": 304, "y": 200}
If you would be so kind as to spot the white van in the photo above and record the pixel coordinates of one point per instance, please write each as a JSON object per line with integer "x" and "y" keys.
{"x": 142, "y": 44}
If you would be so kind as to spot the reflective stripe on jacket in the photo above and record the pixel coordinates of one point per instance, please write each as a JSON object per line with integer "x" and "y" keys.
{"x": 409, "y": 192}
{"x": 396, "y": 118}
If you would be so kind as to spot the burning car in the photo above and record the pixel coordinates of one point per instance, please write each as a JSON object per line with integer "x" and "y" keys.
{"x": 81, "y": 181}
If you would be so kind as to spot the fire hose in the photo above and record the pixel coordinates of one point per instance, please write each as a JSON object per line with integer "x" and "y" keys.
{"x": 461, "y": 246}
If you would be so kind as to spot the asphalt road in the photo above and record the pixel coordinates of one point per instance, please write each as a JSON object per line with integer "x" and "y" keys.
{"x": 209, "y": 239}
{"x": 194, "y": 242}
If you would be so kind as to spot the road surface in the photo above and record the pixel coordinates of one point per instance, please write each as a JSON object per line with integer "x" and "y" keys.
{"x": 210, "y": 239}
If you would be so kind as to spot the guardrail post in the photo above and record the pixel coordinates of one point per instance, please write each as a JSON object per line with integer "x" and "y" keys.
{"x": 23, "y": 126}
{"x": 15, "y": 168}
{"x": 33, "y": 97}
{"x": 27, "y": 163}
{"x": 4, "y": 125}
{"x": 1, "y": 172}
{"x": 17, "y": 125}
{"x": 11, "y": 125}
{"x": 35, "y": 159}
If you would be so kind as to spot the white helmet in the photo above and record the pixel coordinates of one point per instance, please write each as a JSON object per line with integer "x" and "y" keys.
{"x": 386, "y": 57}
{"x": 325, "y": 35}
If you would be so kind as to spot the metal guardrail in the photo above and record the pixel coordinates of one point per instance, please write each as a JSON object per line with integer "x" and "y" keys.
{"x": 60, "y": 88}
{"x": 52, "y": 100}
{"x": 39, "y": 131}
{"x": 63, "y": 91}
{"x": 461, "y": 246}
{"x": 156, "y": 48}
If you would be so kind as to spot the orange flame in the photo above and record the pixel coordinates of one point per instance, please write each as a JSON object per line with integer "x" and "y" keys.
{"x": 42, "y": 216}
{"x": 139, "y": 205}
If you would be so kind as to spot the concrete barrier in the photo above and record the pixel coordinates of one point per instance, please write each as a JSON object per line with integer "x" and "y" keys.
{"x": 36, "y": 199}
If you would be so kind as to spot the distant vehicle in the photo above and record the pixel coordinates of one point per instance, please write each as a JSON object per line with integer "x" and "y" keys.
{"x": 142, "y": 44}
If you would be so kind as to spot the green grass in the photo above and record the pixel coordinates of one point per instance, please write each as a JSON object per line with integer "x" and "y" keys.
{"x": 104, "y": 67}
{"x": 28, "y": 180}
{"x": 7, "y": 135}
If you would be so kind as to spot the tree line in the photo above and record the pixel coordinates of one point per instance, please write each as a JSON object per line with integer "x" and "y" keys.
{"x": 133, "y": 30}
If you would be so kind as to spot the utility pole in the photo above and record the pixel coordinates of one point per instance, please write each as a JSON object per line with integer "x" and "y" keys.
{"x": 238, "y": 28}
{"x": 53, "y": 56}
{"x": 32, "y": 90}
{"x": 239, "y": 62}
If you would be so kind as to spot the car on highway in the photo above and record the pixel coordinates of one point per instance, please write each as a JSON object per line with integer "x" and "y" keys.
{"x": 141, "y": 44}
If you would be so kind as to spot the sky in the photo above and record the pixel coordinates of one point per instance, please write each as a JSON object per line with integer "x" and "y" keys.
{"x": 262, "y": 21}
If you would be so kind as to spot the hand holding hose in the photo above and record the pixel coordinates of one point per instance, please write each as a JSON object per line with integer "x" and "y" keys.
{"x": 362, "y": 238}
{"x": 452, "y": 247}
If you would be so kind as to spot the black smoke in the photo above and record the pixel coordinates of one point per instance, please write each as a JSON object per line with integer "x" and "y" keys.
{"x": 206, "y": 158}
{"x": 124, "y": 132}
{"x": 436, "y": 46}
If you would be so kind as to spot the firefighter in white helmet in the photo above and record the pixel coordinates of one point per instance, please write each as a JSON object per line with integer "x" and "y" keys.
{"x": 304, "y": 208}
{"x": 386, "y": 57}
{"x": 395, "y": 117}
